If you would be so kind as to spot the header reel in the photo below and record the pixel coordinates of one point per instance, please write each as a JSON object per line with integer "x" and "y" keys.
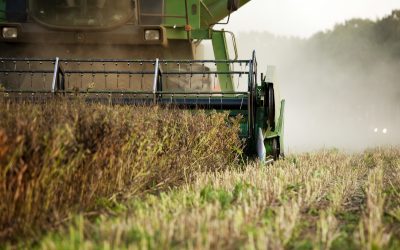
{"x": 186, "y": 84}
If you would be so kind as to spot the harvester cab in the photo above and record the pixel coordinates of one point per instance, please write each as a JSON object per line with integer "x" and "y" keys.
{"x": 53, "y": 48}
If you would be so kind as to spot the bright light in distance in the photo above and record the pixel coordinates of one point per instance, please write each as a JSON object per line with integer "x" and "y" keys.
{"x": 376, "y": 130}
{"x": 385, "y": 131}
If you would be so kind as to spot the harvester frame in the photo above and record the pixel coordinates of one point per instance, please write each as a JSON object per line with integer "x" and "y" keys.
{"x": 263, "y": 116}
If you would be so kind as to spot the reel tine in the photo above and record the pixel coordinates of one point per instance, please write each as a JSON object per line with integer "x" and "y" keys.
{"x": 118, "y": 80}
{"x": 190, "y": 76}
{"x": 44, "y": 81}
{"x": 105, "y": 75}
{"x": 141, "y": 80}
{"x": 116, "y": 67}
{"x": 6, "y": 76}
{"x": 166, "y": 76}
{"x": 240, "y": 75}
{"x": 130, "y": 80}
{"x": 228, "y": 75}
{"x": 15, "y": 69}
{"x": 204, "y": 76}
{"x": 130, "y": 74}
{"x": 31, "y": 79}
{"x": 238, "y": 80}
{"x": 81, "y": 80}
{"x": 29, "y": 69}
{"x": 215, "y": 77}
{"x": 92, "y": 84}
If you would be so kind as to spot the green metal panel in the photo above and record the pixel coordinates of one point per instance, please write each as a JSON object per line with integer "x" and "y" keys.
{"x": 176, "y": 33}
{"x": 201, "y": 34}
{"x": 2, "y": 10}
{"x": 213, "y": 11}
{"x": 202, "y": 14}
{"x": 221, "y": 53}
{"x": 177, "y": 8}
{"x": 180, "y": 33}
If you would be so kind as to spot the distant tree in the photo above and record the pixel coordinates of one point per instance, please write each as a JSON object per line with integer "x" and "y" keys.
{"x": 388, "y": 33}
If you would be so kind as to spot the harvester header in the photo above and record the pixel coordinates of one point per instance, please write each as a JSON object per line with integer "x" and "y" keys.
{"x": 137, "y": 52}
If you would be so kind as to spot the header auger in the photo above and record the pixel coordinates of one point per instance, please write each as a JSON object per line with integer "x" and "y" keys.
{"x": 47, "y": 50}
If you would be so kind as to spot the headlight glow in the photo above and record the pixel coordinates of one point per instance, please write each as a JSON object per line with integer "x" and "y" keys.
{"x": 10, "y": 32}
{"x": 152, "y": 35}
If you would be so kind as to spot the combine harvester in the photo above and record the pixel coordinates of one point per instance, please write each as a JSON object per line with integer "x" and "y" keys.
{"x": 50, "y": 48}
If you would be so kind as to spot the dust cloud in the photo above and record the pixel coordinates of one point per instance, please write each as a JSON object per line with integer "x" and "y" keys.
{"x": 342, "y": 87}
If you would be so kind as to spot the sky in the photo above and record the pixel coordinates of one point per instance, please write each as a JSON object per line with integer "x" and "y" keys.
{"x": 303, "y": 18}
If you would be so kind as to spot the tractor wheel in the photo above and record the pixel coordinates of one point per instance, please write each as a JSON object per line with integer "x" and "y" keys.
{"x": 271, "y": 106}
{"x": 276, "y": 149}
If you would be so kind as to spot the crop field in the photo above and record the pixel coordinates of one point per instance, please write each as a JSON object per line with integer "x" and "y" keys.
{"x": 78, "y": 176}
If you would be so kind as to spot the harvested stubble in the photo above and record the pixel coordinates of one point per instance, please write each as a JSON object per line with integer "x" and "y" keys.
{"x": 324, "y": 200}
{"x": 60, "y": 158}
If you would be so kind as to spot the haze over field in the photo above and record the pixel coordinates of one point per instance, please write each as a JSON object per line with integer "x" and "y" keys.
{"x": 341, "y": 85}
{"x": 306, "y": 17}
{"x": 350, "y": 105}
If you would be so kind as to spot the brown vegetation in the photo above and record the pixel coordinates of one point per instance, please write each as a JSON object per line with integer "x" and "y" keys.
{"x": 60, "y": 158}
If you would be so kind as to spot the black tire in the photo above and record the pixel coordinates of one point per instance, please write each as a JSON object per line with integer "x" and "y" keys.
{"x": 276, "y": 149}
{"x": 270, "y": 106}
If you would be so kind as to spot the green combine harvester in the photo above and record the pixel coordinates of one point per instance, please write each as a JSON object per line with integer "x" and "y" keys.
{"x": 54, "y": 48}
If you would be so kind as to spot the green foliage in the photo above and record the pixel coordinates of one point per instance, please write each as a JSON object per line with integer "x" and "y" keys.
{"x": 209, "y": 194}
{"x": 361, "y": 40}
